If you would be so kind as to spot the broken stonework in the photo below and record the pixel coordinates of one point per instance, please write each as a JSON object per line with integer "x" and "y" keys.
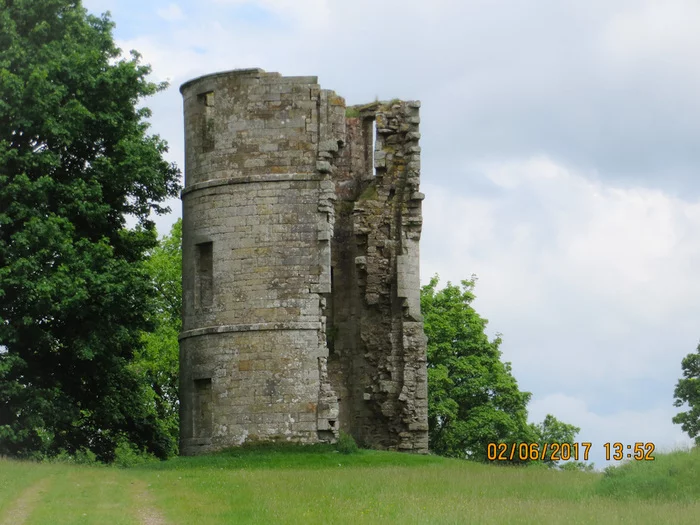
{"x": 301, "y": 293}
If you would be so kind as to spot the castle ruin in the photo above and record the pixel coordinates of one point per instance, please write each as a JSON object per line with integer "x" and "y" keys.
{"x": 301, "y": 292}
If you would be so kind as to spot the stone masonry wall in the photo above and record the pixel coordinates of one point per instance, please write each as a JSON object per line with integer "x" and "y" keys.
{"x": 301, "y": 312}
{"x": 379, "y": 344}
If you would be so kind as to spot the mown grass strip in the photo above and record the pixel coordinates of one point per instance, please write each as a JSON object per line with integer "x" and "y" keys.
{"x": 268, "y": 487}
{"x": 87, "y": 495}
{"x": 145, "y": 508}
{"x": 398, "y": 495}
{"x": 15, "y": 478}
{"x": 301, "y": 486}
{"x": 23, "y": 506}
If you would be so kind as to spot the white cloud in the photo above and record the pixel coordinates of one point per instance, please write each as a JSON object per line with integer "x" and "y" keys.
{"x": 98, "y": 6}
{"x": 303, "y": 12}
{"x": 654, "y": 30}
{"x": 576, "y": 273}
{"x": 171, "y": 13}
{"x": 603, "y": 239}
{"x": 151, "y": 54}
{"x": 639, "y": 425}
{"x": 204, "y": 47}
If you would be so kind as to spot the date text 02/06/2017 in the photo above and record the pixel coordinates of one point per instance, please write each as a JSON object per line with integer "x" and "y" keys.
{"x": 566, "y": 451}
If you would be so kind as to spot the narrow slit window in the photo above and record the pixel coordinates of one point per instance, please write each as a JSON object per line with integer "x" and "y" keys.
{"x": 374, "y": 145}
{"x": 206, "y": 100}
{"x": 204, "y": 275}
{"x": 369, "y": 131}
{"x": 202, "y": 417}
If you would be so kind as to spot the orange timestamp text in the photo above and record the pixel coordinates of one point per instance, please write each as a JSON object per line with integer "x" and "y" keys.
{"x": 566, "y": 451}
{"x": 537, "y": 451}
{"x": 637, "y": 451}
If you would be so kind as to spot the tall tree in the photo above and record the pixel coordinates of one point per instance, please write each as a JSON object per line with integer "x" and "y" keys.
{"x": 473, "y": 397}
{"x": 688, "y": 391}
{"x": 158, "y": 361}
{"x": 75, "y": 162}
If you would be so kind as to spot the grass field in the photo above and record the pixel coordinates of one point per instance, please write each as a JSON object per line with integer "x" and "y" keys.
{"x": 319, "y": 485}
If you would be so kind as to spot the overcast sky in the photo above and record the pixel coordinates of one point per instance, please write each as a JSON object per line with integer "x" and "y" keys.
{"x": 560, "y": 165}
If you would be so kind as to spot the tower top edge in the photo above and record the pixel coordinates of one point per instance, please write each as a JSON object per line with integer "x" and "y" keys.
{"x": 255, "y": 71}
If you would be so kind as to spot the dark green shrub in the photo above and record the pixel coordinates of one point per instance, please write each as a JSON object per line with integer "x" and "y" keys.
{"x": 346, "y": 444}
{"x": 128, "y": 455}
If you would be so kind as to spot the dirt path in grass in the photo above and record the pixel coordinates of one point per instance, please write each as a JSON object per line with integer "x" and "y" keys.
{"x": 146, "y": 509}
{"x": 25, "y": 503}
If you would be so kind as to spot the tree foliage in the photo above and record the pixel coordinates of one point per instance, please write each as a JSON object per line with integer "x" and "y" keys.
{"x": 473, "y": 397}
{"x": 75, "y": 161}
{"x": 688, "y": 391}
{"x": 158, "y": 361}
{"x": 552, "y": 431}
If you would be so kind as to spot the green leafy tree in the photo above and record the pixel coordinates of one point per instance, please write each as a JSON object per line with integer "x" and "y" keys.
{"x": 158, "y": 361}
{"x": 688, "y": 391}
{"x": 473, "y": 397}
{"x": 552, "y": 431}
{"x": 75, "y": 298}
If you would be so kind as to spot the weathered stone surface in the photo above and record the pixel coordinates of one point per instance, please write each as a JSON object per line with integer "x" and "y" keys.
{"x": 301, "y": 310}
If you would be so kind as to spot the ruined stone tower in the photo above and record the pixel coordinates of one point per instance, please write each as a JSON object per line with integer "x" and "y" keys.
{"x": 301, "y": 299}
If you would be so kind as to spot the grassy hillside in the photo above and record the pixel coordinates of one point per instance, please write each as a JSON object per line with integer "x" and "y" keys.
{"x": 319, "y": 485}
{"x": 670, "y": 477}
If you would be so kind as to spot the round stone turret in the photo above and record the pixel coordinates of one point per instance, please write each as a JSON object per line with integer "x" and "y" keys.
{"x": 257, "y": 221}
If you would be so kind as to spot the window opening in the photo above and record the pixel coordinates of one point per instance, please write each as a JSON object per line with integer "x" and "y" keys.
{"x": 202, "y": 417}
{"x": 374, "y": 145}
{"x": 207, "y": 135}
{"x": 369, "y": 132}
{"x": 204, "y": 275}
